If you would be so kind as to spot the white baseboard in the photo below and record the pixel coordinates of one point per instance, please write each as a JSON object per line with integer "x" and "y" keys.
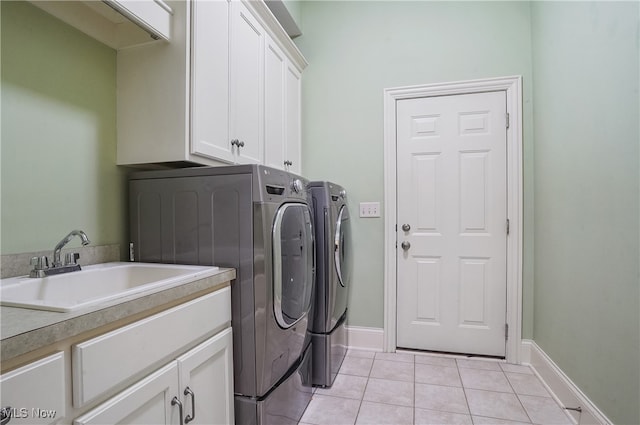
{"x": 362, "y": 338}
{"x": 563, "y": 389}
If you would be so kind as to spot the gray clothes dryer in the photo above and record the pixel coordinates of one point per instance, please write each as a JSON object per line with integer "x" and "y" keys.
{"x": 257, "y": 220}
{"x": 333, "y": 260}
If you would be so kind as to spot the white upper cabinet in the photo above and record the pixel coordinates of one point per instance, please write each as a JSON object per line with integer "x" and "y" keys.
{"x": 205, "y": 97}
{"x": 116, "y": 23}
{"x": 153, "y": 16}
{"x": 275, "y": 65}
{"x": 209, "y": 80}
{"x": 293, "y": 129}
{"x": 282, "y": 110}
{"x": 247, "y": 84}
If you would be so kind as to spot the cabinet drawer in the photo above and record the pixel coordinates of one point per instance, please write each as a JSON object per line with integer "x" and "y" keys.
{"x": 35, "y": 392}
{"x": 105, "y": 362}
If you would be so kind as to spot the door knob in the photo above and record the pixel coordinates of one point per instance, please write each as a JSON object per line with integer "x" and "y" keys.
{"x": 405, "y": 245}
{"x": 406, "y": 227}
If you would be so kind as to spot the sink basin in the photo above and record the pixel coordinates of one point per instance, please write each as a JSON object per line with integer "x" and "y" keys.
{"x": 95, "y": 284}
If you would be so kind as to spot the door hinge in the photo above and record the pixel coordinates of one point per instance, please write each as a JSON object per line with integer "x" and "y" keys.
{"x": 508, "y": 120}
{"x": 508, "y": 226}
{"x": 506, "y": 331}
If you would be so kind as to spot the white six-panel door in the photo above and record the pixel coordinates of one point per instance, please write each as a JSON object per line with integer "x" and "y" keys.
{"x": 452, "y": 223}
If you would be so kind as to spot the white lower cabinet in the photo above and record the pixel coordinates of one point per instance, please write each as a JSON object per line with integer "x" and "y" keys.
{"x": 147, "y": 402}
{"x": 35, "y": 393}
{"x": 206, "y": 381}
{"x": 172, "y": 367}
{"x": 195, "y": 388}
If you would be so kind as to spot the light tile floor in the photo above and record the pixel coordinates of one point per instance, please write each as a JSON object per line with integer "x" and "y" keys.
{"x": 403, "y": 388}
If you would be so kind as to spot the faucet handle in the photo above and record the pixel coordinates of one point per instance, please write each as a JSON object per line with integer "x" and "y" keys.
{"x": 71, "y": 258}
{"x": 39, "y": 263}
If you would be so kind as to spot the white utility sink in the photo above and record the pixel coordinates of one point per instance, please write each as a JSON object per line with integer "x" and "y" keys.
{"x": 95, "y": 284}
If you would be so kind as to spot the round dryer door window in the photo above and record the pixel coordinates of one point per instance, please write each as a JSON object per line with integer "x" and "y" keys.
{"x": 342, "y": 247}
{"x": 292, "y": 263}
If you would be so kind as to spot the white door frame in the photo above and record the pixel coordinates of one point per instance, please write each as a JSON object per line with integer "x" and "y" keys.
{"x": 513, "y": 88}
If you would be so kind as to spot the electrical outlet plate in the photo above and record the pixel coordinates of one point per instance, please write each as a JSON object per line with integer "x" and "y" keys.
{"x": 369, "y": 209}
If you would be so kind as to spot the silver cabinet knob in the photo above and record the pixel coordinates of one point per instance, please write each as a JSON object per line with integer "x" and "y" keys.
{"x": 405, "y": 245}
{"x": 406, "y": 227}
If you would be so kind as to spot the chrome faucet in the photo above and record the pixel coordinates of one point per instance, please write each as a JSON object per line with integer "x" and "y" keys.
{"x": 56, "y": 251}
{"x": 41, "y": 264}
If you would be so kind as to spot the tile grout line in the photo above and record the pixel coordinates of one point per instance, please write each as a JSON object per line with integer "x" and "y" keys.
{"x": 413, "y": 413}
{"x": 464, "y": 391}
{"x": 517, "y": 396}
{"x": 365, "y": 389}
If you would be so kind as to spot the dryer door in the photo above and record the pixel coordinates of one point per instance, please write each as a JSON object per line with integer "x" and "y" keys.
{"x": 293, "y": 263}
{"x": 342, "y": 247}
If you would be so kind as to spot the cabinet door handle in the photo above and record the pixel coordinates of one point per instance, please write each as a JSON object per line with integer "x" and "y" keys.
{"x": 188, "y": 392}
{"x": 241, "y": 144}
{"x": 235, "y": 142}
{"x": 175, "y": 401}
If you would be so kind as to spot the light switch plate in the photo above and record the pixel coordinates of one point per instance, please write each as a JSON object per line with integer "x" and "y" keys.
{"x": 369, "y": 209}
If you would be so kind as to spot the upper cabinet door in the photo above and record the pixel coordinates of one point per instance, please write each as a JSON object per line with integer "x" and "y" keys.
{"x": 275, "y": 65}
{"x": 247, "y": 84}
{"x": 210, "y": 80}
{"x": 293, "y": 119}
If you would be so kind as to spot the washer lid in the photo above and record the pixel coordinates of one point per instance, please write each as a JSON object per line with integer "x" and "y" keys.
{"x": 293, "y": 263}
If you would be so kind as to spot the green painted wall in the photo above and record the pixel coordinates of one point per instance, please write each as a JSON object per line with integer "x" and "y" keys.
{"x": 585, "y": 68}
{"x": 355, "y": 50}
{"x": 293, "y": 6}
{"x": 58, "y": 137}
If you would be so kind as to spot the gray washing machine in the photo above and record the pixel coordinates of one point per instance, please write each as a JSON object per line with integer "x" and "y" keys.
{"x": 257, "y": 220}
{"x": 333, "y": 260}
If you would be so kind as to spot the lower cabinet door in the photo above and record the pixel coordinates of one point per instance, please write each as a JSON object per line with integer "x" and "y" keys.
{"x": 150, "y": 401}
{"x": 206, "y": 381}
{"x": 35, "y": 394}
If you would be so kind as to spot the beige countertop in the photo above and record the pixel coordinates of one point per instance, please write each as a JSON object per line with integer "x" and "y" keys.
{"x": 24, "y": 330}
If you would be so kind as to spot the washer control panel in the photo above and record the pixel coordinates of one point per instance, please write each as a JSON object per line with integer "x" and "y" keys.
{"x": 296, "y": 186}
